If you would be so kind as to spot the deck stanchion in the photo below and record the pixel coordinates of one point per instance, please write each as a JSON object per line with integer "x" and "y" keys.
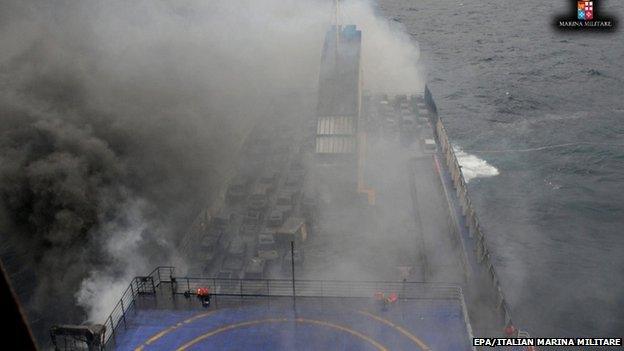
{"x": 134, "y": 297}
{"x": 174, "y": 285}
{"x": 110, "y": 319}
{"x": 123, "y": 313}
{"x": 292, "y": 266}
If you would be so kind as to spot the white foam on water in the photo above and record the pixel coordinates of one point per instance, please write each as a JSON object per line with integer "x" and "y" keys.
{"x": 473, "y": 166}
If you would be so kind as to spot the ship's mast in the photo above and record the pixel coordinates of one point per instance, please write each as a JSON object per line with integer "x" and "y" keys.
{"x": 337, "y": 29}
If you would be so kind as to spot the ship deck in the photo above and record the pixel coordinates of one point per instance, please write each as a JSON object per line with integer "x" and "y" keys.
{"x": 171, "y": 322}
{"x": 404, "y": 238}
{"x": 406, "y": 234}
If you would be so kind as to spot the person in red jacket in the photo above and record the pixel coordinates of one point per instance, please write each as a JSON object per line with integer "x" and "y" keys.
{"x": 204, "y": 295}
{"x": 511, "y": 331}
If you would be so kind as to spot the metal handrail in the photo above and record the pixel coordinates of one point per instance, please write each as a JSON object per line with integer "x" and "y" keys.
{"x": 437, "y": 284}
{"x": 467, "y": 207}
{"x": 316, "y": 288}
{"x": 271, "y": 288}
{"x": 523, "y": 334}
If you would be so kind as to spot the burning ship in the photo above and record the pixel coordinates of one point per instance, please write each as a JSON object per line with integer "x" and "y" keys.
{"x": 403, "y": 259}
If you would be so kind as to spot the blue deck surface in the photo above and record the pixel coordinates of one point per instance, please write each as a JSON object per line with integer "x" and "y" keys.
{"x": 341, "y": 324}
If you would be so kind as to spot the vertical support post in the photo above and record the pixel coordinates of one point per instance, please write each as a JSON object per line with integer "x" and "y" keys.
{"x": 123, "y": 313}
{"x": 292, "y": 266}
{"x": 110, "y": 319}
{"x": 337, "y": 31}
{"x": 403, "y": 288}
{"x": 134, "y": 295}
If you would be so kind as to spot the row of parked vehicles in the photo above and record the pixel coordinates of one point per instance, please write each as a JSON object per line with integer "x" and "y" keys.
{"x": 264, "y": 211}
{"x": 407, "y": 118}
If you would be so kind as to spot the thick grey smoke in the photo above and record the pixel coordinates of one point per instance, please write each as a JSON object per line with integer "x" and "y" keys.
{"x": 120, "y": 120}
{"x": 117, "y": 123}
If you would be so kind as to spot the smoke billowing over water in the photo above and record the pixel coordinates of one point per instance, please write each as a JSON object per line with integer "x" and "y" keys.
{"x": 120, "y": 120}
{"x": 505, "y": 80}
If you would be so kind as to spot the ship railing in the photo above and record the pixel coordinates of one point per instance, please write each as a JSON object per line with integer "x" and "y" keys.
{"x": 145, "y": 285}
{"x": 523, "y": 334}
{"x": 475, "y": 231}
{"x": 317, "y": 288}
{"x": 162, "y": 281}
{"x": 117, "y": 318}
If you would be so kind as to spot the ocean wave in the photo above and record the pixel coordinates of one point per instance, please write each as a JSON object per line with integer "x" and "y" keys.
{"x": 473, "y": 166}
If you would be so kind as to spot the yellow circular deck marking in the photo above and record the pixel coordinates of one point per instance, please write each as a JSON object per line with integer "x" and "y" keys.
{"x": 168, "y": 330}
{"x": 402, "y": 330}
{"x": 368, "y": 339}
